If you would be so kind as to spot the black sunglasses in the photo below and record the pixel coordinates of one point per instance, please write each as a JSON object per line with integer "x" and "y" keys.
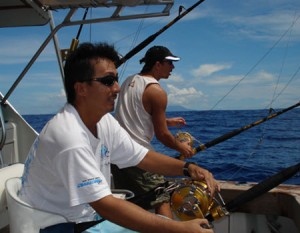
{"x": 168, "y": 61}
{"x": 107, "y": 80}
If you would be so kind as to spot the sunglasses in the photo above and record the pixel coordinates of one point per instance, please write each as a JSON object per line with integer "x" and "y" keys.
{"x": 168, "y": 61}
{"x": 108, "y": 80}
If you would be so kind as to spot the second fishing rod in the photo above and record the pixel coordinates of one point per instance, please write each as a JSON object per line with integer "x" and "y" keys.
{"x": 187, "y": 137}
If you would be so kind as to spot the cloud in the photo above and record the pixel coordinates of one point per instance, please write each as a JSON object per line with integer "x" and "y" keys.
{"x": 261, "y": 22}
{"x": 269, "y": 26}
{"x": 17, "y": 50}
{"x": 256, "y": 79}
{"x": 208, "y": 69}
{"x": 184, "y": 97}
{"x": 44, "y": 102}
{"x": 237, "y": 89}
{"x": 61, "y": 94}
{"x": 224, "y": 80}
{"x": 176, "y": 78}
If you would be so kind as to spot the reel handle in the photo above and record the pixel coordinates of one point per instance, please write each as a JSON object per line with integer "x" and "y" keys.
{"x": 181, "y": 157}
{"x": 185, "y": 137}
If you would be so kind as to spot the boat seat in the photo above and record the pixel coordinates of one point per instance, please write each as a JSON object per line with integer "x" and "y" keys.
{"x": 23, "y": 218}
{"x": 5, "y": 174}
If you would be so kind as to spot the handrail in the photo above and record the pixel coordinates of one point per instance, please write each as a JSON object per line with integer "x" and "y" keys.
{"x": 3, "y": 131}
{"x": 3, "y": 135}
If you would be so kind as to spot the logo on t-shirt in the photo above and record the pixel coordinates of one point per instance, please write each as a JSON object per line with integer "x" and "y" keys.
{"x": 131, "y": 84}
{"x": 105, "y": 155}
{"x": 104, "y": 151}
{"x": 91, "y": 181}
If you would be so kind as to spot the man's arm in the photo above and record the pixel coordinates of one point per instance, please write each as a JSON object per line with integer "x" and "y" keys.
{"x": 155, "y": 102}
{"x": 133, "y": 217}
{"x": 162, "y": 164}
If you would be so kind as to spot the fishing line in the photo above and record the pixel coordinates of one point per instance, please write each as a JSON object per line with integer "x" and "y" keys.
{"x": 281, "y": 70}
{"x": 260, "y": 141}
{"x": 242, "y": 166}
{"x": 291, "y": 79}
{"x": 91, "y": 16}
{"x": 251, "y": 155}
{"x": 134, "y": 41}
{"x": 155, "y": 22}
{"x": 276, "y": 87}
{"x": 152, "y": 37}
{"x": 254, "y": 150}
{"x": 257, "y": 63}
{"x": 282, "y": 65}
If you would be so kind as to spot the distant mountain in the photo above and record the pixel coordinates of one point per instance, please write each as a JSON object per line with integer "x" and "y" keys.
{"x": 177, "y": 108}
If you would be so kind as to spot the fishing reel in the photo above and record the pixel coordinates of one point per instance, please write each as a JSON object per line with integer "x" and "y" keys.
{"x": 191, "y": 199}
{"x": 185, "y": 137}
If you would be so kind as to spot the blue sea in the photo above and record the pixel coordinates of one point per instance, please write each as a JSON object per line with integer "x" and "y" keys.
{"x": 253, "y": 155}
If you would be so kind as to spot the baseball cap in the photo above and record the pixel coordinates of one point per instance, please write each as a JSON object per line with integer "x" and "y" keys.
{"x": 158, "y": 53}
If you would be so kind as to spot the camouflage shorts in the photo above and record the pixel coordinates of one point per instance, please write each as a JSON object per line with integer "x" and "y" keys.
{"x": 141, "y": 183}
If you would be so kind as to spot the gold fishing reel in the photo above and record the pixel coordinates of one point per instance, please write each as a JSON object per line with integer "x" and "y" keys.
{"x": 191, "y": 199}
{"x": 185, "y": 137}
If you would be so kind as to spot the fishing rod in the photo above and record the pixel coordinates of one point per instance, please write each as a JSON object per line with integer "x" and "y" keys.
{"x": 260, "y": 189}
{"x": 190, "y": 199}
{"x": 151, "y": 38}
{"x": 75, "y": 41}
{"x": 236, "y": 132}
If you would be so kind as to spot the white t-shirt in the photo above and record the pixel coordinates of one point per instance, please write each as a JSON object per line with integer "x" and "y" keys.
{"x": 130, "y": 111}
{"x": 67, "y": 167}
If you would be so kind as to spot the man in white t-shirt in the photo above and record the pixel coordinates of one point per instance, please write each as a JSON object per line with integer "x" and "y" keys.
{"x": 68, "y": 168}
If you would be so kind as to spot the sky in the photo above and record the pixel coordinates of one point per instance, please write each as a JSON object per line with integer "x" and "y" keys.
{"x": 235, "y": 55}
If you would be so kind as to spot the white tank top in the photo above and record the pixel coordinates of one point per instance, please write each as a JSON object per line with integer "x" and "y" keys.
{"x": 130, "y": 111}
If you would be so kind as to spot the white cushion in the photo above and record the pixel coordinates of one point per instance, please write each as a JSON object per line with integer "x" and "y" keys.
{"x": 23, "y": 218}
{"x": 15, "y": 170}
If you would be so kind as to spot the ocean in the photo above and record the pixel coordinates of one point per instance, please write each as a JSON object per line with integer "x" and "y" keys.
{"x": 253, "y": 155}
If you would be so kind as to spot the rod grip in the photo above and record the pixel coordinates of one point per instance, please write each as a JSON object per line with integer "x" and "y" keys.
{"x": 181, "y": 157}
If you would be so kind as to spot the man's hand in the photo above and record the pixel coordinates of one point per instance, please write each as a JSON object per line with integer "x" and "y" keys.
{"x": 185, "y": 149}
{"x": 176, "y": 121}
{"x": 199, "y": 226}
{"x": 198, "y": 173}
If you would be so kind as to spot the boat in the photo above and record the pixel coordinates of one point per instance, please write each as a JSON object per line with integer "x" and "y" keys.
{"x": 275, "y": 210}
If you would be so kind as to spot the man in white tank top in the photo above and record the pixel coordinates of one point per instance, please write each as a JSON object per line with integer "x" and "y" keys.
{"x": 141, "y": 111}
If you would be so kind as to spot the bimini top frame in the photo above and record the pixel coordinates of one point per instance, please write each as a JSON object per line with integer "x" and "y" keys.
{"x": 15, "y": 13}
{"x": 39, "y": 12}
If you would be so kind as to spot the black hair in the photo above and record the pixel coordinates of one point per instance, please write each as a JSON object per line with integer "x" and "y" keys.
{"x": 154, "y": 54}
{"x": 147, "y": 67}
{"x": 79, "y": 68}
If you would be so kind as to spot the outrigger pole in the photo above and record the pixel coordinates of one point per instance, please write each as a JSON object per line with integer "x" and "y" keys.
{"x": 238, "y": 131}
{"x": 151, "y": 38}
{"x": 261, "y": 188}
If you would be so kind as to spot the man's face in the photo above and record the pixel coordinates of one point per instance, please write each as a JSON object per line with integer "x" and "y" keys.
{"x": 103, "y": 89}
{"x": 166, "y": 68}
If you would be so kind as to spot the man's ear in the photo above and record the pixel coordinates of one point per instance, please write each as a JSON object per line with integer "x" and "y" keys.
{"x": 158, "y": 63}
{"x": 80, "y": 88}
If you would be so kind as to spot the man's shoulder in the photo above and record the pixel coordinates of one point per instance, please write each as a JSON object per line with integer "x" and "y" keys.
{"x": 65, "y": 124}
{"x": 108, "y": 121}
{"x": 107, "y": 118}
